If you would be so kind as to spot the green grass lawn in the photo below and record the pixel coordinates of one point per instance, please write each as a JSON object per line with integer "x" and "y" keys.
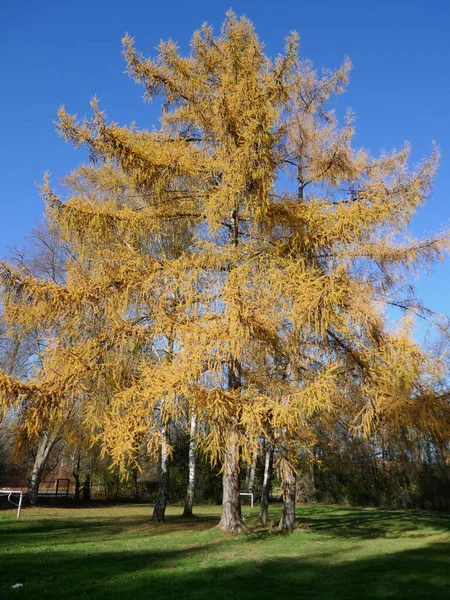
{"x": 118, "y": 552}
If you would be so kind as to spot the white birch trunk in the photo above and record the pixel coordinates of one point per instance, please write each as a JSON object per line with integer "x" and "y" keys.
{"x": 45, "y": 444}
{"x": 191, "y": 481}
{"x": 268, "y": 464}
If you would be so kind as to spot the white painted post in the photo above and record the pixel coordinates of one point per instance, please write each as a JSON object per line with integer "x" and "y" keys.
{"x": 20, "y": 505}
{"x": 10, "y": 493}
{"x": 248, "y": 494}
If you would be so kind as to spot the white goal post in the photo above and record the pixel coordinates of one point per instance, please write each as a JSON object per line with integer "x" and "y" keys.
{"x": 248, "y": 494}
{"x": 9, "y": 493}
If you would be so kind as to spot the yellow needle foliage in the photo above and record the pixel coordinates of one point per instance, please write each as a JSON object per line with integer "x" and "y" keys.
{"x": 240, "y": 257}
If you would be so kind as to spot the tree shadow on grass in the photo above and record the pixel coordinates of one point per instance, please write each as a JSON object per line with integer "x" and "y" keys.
{"x": 98, "y": 528}
{"x": 370, "y": 524}
{"x": 201, "y": 573}
{"x": 339, "y": 522}
{"x": 327, "y": 521}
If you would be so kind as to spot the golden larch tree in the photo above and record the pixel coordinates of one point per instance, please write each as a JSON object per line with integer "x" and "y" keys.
{"x": 240, "y": 257}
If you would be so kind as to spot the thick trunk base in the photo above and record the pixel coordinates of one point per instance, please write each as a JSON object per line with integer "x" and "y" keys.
{"x": 231, "y": 520}
{"x": 232, "y": 525}
{"x": 287, "y": 521}
{"x": 159, "y": 512}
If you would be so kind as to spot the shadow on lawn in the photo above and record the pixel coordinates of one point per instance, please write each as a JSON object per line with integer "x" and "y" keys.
{"x": 369, "y": 524}
{"x": 186, "y": 573}
{"x": 98, "y": 528}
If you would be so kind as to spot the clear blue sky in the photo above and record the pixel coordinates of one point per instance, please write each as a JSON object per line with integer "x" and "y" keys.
{"x": 57, "y": 52}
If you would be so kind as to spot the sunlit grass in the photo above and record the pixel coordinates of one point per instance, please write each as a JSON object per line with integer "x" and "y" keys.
{"x": 118, "y": 552}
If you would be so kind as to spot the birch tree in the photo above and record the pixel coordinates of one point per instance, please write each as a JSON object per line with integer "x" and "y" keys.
{"x": 189, "y": 503}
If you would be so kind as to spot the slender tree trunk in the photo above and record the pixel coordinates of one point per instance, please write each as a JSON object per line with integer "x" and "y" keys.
{"x": 135, "y": 485}
{"x": 159, "y": 511}
{"x": 287, "y": 521}
{"x": 252, "y": 474}
{"x": 161, "y": 499}
{"x": 45, "y": 444}
{"x": 87, "y": 488}
{"x": 268, "y": 466}
{"x": 247, "y": 478}
{"x": 191, "y": 482}
{"x": 76, "y": 475}
{"x": 300, "y": 180}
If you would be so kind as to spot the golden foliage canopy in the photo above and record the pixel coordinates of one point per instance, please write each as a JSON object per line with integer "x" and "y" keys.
{"x": 239, "y": 258}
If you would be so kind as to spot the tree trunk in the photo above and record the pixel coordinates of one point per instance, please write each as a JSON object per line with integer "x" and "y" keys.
{"x": 251, "y": 479}
{"x": 87, "y": 488}
{"x": 268, "y": 466}
{"x": 76, "y": 475}
{"x": 287, "y": 522}
{"x": 45, "y": 444}
{"x": 247, "y": 478}
{"x": 231, "y": 519}
{"x": 191, "y": 482}
{"x": 231, "y": 502}
{"x": 135, "y": 485}
{"x": 161, "y": 499}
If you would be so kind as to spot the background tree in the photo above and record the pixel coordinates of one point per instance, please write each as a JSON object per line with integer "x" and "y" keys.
{"x": 43, "y": 256}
